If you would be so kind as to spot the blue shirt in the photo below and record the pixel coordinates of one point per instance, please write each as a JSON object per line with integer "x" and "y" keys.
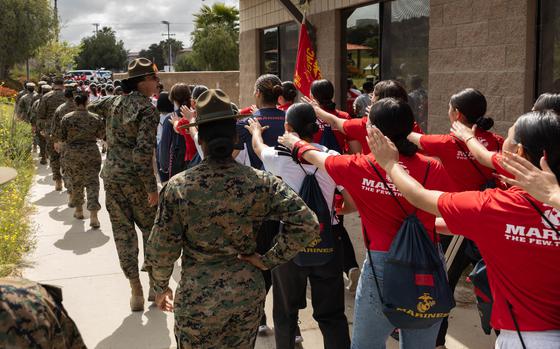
{"x": 273, "y": 118}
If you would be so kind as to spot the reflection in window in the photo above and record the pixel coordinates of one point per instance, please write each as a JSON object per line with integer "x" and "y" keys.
{"x": 279, "y": 50}
{"x": 549, "y": 55}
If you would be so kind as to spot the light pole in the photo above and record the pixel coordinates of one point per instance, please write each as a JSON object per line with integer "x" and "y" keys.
{"x": 169, "y": 35}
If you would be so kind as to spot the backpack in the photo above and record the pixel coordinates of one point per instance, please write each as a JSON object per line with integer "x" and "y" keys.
{"x": 321, "y": 250}
{"x": 484, "y": 299}
{"x": 328, "y": 139}
{"x": 416, "y": 293}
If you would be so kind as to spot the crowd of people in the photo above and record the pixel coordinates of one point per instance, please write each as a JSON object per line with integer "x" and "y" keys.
{"x": 254, "y": 198}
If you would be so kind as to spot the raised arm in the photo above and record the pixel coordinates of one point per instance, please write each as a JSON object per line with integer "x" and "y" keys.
{"x": 387, "y": 156}
{"x": 335, "y": 122}
{"x": 479, "y": 151}
{"x": 254, "y": 127}
{"x": 305, "y": 150}
{"x": 414, "y": 137}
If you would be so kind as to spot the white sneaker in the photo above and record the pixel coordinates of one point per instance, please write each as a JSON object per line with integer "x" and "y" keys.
{"x": 353, "y": 277}
{"x": 299, "y": 339}
{"x": 264, "y": 330}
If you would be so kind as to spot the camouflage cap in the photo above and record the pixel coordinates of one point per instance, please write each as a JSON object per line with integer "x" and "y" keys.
{"x": 30, "y": 84}
{"x": 41, "y": 83}
{"x": 46, "y": 88}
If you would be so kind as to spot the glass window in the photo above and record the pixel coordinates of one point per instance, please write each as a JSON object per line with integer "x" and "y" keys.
{"x": 404, "y": 50}
{"x": 549, "y": 47}
{"x": 279, "y": 50}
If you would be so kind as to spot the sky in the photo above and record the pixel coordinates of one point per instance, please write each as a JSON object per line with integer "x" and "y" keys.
{"x": 137, "y": 23}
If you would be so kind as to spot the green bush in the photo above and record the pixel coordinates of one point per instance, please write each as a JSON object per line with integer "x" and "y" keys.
{"x": 15, "y": 226}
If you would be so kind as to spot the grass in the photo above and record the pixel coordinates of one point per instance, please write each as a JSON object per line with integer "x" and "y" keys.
{"x": 16, "y": 238}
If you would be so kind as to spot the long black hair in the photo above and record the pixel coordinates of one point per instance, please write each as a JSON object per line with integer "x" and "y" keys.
{"x": 323, "y": 92}
{"x": 395, "y": 119}
{"x": 472, "y": 104}
{"x": 301, "y": 117}
{"x": 548, "y": 101}
{"x": 219, "y": 137}
{"x": 539, "y": 132}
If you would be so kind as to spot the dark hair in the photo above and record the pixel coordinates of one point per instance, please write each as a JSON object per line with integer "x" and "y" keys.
{"x": 270, "y": 87}
{"x": 472, "y": 104}
{"x": 390, "y": 89}
{"x": 119, "y": 90}
{"x": 30, "y": 88}
{"x": 395, "y": 119}
{"x": 110, "y": 88}
{"x": 198, "y": 90}
{"x": 117, "y": 83}
{"x": 131, "y": 84}
{"x": 415, "y": 82}
{"x": 323, "y": 92}
{"x": 69, "y": 92}
{"x": 58, "y": 80}
{"x": 302, "y": 118}
{"x": 81, "y": 99}
{"x": 219, "y": 138}
{"x": 289, "y": 91}
{"x": 539, "y": 132}
{"x": 368, "y": 86}
{"x": 164, "y": 105}
{"x": 180, "y": 93}
{"x": 548, "y": 101}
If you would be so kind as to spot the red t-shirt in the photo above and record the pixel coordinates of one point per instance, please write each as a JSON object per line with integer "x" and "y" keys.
{"x": 380, "y": 214}
{"x": 190, "y": 147}
{"x": 496, "y": 158}
{"x": 456, "y": 161}
{"x": 355, "y": 129}
{"x": 521, "y": 252}
{"x": 341, "y": 138}
{"x": 285, "y": 106}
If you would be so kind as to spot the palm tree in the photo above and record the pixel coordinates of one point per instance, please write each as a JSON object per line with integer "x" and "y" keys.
{"x": 217, "y": 14}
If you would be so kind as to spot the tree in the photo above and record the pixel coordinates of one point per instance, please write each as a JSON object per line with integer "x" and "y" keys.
{"x": 55, "y": 57}
{"x": 216, "y": 38}
{"x": 102, "y": 50}
{"x": 185, "y": 63}
{"x": 158, "y": 53}
{"x": 25, "y": 25}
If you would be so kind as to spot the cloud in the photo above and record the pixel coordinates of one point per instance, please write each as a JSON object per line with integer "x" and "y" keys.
{"x": 137, "y": 23}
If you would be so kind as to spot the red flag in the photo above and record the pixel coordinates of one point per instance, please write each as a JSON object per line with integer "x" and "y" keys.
{"x": 307, "y": 66}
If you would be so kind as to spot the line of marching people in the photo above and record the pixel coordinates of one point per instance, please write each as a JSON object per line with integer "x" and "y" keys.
{"x": 254, "y": 199}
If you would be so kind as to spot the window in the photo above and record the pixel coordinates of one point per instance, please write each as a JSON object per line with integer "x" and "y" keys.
{"x": 279, "y": 50}
{"x": 548, "y": 79}
{"x": 389, "y": 40}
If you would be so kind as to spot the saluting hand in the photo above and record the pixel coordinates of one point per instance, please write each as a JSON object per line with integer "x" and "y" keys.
{"x": 164, "y": 300}
{"x": 289, "y": 139}
{"x": 462, "y": 132}
{"x": 188, "y": 113}
{"x": 384, "y": 151}
{"x": 254, "y": 259}
{"x": 153, "y": 198}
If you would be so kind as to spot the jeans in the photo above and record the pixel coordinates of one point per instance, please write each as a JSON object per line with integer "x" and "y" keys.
{"x": 371, "y": 327}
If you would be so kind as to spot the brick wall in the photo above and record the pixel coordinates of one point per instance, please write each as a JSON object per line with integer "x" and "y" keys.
{"x": 228, "y": 81}
{"x": 485, "y": 44}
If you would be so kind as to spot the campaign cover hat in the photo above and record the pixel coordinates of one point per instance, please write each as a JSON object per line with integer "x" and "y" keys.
{"x": 141, "y": 67}
{"x": 214, "y": 105}
{"x": 7, "y": 174}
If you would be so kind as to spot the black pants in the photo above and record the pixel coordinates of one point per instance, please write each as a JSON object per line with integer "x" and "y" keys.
{"x": 327, "y": 297}
{"x": 348, "y": 254}
{"x": 265, "y": 237}
{"x": 462, "y": 260}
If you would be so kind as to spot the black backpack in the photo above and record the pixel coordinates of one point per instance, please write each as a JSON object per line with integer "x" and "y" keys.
{"x": 321, "y": 250}
{"x": 328, "y": 139}
{"x": 416, "y": 292}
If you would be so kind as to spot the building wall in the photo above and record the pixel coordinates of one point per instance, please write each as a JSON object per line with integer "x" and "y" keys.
{"x": 485, "y": 44}
{"x": 228, "y": 81}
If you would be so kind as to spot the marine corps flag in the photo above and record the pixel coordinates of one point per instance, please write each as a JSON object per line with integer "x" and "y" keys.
{"x": 307, "y": 66}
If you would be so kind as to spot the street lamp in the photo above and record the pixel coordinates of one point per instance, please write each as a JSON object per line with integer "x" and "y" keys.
{"x": 169, "y": 35}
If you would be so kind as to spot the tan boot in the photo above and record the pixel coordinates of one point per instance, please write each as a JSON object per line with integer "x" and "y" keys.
{"x": 58, "y": 185}
{"x": 137, "y": 295}
{"x": 151, "y": 292}
{"x": 79, "y": 212}
{"x": 93, "y": 220}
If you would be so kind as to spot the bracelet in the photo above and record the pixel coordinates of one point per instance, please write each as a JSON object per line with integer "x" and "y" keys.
{"x": 468, "y": 139}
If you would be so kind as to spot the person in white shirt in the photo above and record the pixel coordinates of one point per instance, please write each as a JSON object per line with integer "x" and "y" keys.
{"x": 322, "y": 266}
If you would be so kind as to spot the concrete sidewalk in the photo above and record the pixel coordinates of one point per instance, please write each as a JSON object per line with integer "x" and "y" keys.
{"x": 84, "y": 263}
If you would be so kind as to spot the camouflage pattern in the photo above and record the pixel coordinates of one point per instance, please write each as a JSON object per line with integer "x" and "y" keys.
{"x": 210, "y": 214}
{"x": 66, "y": 108}
{"x": 45, "y": 114}
{"x": 19, "y": 95}
{"x": 127, "y": 205}
{"x": 81, "y": 159}
{"x": 131, "y": 124}
{"x": 24, "y": 105}
{"x": 32, "y": 316}
{"x": 41, "y": 140}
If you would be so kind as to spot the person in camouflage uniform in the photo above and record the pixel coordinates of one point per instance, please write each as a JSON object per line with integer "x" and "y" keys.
{"x": 66, "y": 108}
{"x": 45, "y": 115}
{"x": 19, "y": 95}
{"x": 79, "y": 130}
{"x": 26, "y": 101}
{"x": 41, "y": 140}
{"x": 211, "y": 214}
{"x": 32, "y": 316}
{"x": 129, "y": 179}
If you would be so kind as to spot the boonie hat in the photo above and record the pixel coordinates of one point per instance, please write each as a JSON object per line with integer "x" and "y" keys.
{"x": 141, "y": 67}
{"x": 213, "y": 105}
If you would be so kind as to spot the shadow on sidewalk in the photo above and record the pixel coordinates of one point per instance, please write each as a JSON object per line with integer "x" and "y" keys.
{"x": 62, "y": 214}
{"x": 54, "y": 198}
{"x": 135, "y": 332}
{"x": 80, "y": 241}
